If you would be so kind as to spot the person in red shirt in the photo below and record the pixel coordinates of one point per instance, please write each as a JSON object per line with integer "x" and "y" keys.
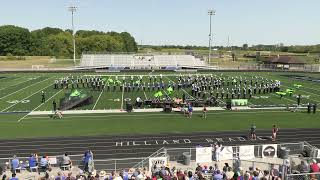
{"x": 274, "y": 132}
{"x": 314, "y": 167}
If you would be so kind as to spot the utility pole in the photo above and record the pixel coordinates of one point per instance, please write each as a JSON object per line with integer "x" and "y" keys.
{"x": 73, "y": 9}
{"x": 210, "y": 13}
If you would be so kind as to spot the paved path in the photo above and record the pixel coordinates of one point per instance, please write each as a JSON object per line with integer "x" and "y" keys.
{"x": 107, "y": 147}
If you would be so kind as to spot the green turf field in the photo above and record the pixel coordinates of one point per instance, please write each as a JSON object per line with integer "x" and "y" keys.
{"x": 21, "y": 92}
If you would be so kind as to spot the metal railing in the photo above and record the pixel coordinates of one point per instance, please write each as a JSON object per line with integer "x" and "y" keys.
{"x": 159, "y": 153}
{"x": 119, "y": 164}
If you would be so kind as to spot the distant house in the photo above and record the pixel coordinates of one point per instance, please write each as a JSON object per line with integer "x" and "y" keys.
{"x": 283, "y": 62}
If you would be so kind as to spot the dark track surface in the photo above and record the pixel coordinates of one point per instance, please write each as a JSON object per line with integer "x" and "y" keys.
{"x": 106, "y": 147}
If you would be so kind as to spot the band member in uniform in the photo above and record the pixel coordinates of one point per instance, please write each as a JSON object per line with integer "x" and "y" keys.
{"x": 43, "y": 97}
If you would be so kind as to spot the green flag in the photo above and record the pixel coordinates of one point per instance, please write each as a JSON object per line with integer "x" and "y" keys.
{"x": 118, "y": 82}
{"x": 110, "y": 80}
{"x": 281, "y": 93}
{"x": 289, "y": 91}
{"x": 75, "y": 93}
{"x": 170, "y": 90}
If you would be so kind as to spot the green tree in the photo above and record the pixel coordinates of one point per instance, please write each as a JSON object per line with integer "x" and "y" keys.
{"x": 60, "y": 45}
{"x": 14, "y": 40}
{"x": 245, "y": 46}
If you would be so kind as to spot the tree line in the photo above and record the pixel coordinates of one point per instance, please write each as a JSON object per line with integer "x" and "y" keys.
{"x": 18, "y": 41}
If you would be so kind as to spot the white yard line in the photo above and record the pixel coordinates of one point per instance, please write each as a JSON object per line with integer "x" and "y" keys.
{"x": 145, "y": 95}
{"x": 39, "y": 105}
{"x": 18, "y": 83}
{"x": 25, "y": 88}
{"x": 97, "y": 100}
{"x": 122, "y": 97}
{"x": 26, "y": 97}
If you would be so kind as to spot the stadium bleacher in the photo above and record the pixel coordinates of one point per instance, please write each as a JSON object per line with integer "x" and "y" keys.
{"x": 140, "y": 61}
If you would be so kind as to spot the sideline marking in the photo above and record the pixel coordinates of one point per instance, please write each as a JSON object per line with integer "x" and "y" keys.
{"x": 163, "y": 114}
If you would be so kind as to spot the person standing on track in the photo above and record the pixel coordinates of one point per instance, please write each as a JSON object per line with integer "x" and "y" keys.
{"x": 190, "y": 109}
{"x": 204, "y": 112}
{"x": 274, "y": 132}
{"x": 253, "y": 132}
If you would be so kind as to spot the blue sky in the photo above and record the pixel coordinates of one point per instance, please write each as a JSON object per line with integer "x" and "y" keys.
{"x": 183, "y": 22}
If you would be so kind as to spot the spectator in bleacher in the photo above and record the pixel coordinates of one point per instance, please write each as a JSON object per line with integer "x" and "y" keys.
{"x": 190, "y": 176}
{"x": 124, "y": 174}
{"x": 32, "y": 161}
{"x": 117, "y": 177}
{"x": 266, "y": 174}
{"x": 44, "y": 163}
{"x": 314, "y": 166}
{"x": 210, "y": 171}
{"x": 46, "y": 177}
{"x": 14, "y": 177}
{"x": 185, "y": 173}
{"x": 260, "y": 173}
{"x": 103, "y": 175}
{"x": 217, "y": 175}
{"x": 66, "y": 161}
{"x": 274, "y": 171}
{"x": 70, "y": 177}
{"x": 4, "y": 177}
{"x": 198, "y": 168}
{"x": 180, "y": 175}
{"x": 247, "y": 176}
{"x": 112, "y": 175}
{"x": 88, "y": 161}
{"x": 225, "y": 167}
{"x": 229, "y": 173}
{"x": 205, "y": 169}
{"x": 255, "y": 175}
{"x": 15, "y": 164}
{"x": 60, "y": 176}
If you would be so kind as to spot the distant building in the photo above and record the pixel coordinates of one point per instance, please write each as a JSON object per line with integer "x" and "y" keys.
{"x": 283, "y": 62}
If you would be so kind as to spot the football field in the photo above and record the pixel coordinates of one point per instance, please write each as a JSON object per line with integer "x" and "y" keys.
{"x": 20, "y": 94}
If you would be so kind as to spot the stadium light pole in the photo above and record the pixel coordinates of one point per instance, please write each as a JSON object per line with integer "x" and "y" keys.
{"x": 73, "y": 9}
{"x": 210, "y": 13}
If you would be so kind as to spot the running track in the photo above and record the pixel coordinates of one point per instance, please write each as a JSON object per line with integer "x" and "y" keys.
{"x": 109, "y": 147}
